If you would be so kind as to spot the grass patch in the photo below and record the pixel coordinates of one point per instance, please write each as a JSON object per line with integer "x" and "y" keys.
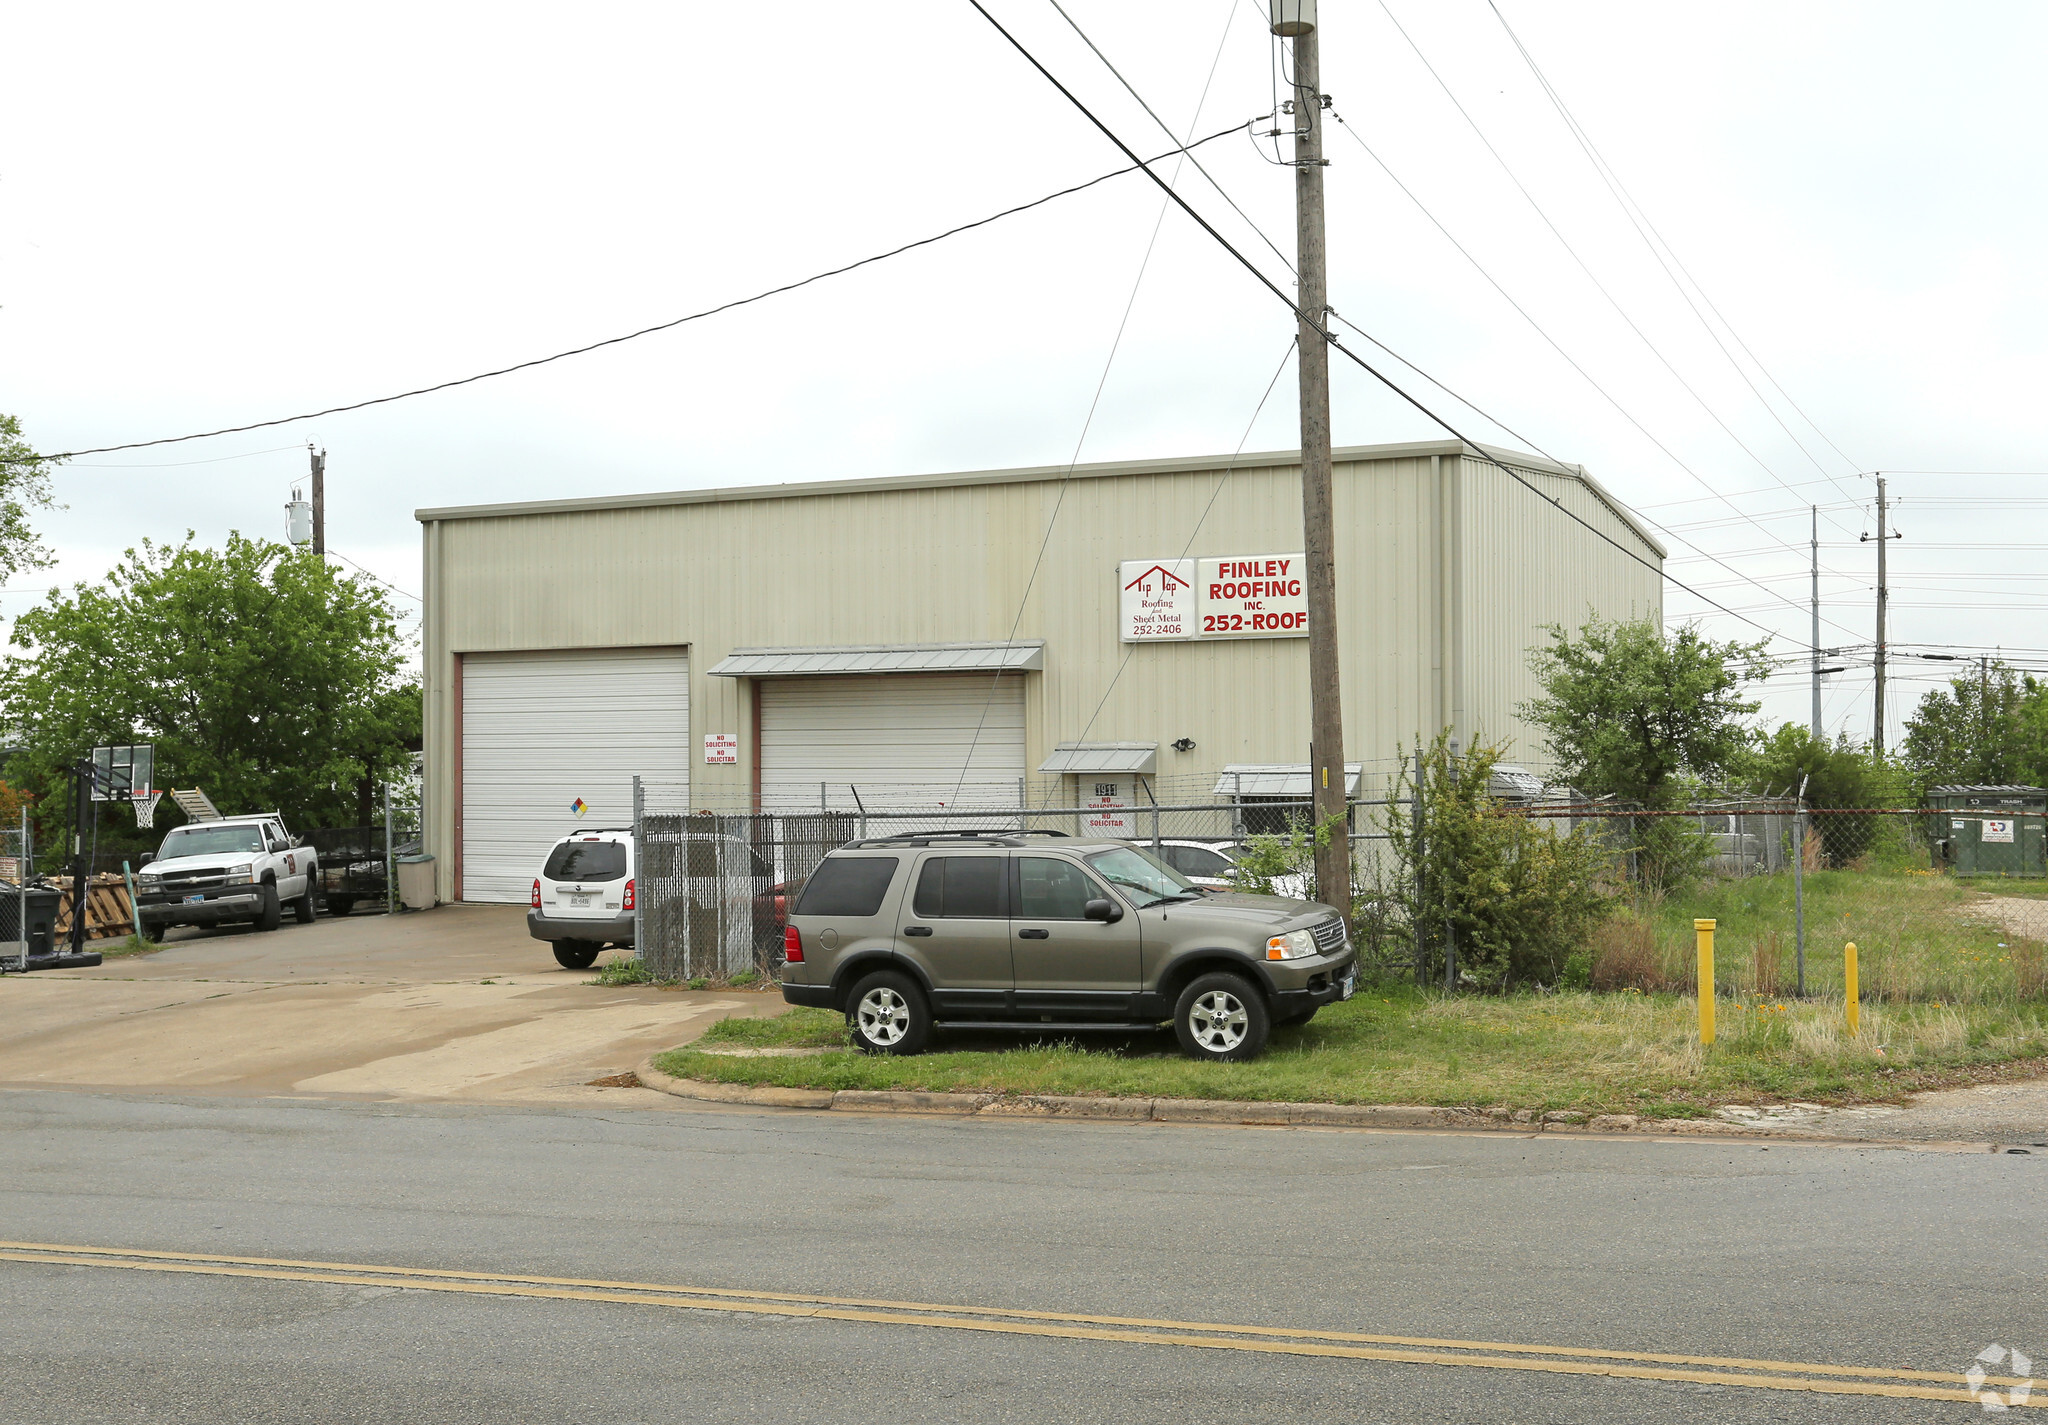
{"x": 1595, "y": 1053}
{"x": 126, "y": 946}
{"x": 631, "y": 970}
{"x": 1920, "y": 936}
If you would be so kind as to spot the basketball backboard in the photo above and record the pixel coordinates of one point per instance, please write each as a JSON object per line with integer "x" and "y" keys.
{"x": 120, "y": 774}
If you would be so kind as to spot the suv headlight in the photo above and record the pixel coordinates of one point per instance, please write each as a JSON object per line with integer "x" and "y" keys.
{"x": 237, "y": 875}
{"x": 1294, "y": 945}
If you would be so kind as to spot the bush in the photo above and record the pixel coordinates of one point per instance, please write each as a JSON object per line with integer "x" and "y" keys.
{"x": 1520, "y": 896}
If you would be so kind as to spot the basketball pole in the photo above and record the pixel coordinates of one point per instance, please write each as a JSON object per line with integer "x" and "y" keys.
{"x": 81, "y": 830}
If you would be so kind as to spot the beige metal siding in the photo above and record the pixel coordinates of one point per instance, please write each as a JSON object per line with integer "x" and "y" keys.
{"x": 949, "y": 561}
{"x": 1527, "y": 564}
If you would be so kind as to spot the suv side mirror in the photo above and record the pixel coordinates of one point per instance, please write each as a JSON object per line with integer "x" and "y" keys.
{"x": 1105, "y": 911}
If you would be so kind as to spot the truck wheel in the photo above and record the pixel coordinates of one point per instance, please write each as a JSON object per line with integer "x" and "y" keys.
{"x": 340, "y": 905}
{"x": 152, "y": 931}
{"x": 575, "y": 954}
{"x": 1221, "y": 1016}
{"x": 272, "y": 913}
{"x": 886, "y": 1015}
{"x": 302, "y": 908}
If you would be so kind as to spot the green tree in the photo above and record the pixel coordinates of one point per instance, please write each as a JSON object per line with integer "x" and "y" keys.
{"x": 24, "y": 486}
{"x": 1987, "y": 727}
{"x": 1520, "y": 894}
{"x": 260, "y": 674}
{"x": 1837, "y": 774}
{"x": 1633, "y": 712}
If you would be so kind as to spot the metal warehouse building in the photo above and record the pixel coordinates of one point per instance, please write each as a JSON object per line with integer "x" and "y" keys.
{"x": 871, "y": 641}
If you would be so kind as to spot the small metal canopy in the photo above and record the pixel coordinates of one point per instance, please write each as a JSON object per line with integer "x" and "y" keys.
{"x": 1019, "y": 657}
{"x": 1278, "y": 779}
{"x": 1137, "y": 758}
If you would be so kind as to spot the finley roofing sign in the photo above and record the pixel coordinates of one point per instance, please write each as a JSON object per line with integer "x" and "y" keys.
{"x": 1232, "y": 596}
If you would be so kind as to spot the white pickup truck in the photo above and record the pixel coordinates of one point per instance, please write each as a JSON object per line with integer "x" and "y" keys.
{"x": 240, "y": 868}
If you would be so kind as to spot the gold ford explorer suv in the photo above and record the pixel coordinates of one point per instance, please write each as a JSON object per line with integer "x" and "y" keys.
{"x": 1045, "y": 932}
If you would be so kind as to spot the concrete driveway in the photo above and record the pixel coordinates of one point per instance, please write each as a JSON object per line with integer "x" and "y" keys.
{"x": 457, "y": 1003}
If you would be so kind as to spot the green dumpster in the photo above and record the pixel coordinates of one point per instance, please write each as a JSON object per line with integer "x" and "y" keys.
{"x": 1991, "y": 830}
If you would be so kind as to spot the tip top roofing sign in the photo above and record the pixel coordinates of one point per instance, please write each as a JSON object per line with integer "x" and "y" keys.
{"x": 1231, "y": 596}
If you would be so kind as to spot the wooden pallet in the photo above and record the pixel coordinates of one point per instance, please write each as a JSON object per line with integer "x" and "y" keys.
{"x": 108, "y": 911}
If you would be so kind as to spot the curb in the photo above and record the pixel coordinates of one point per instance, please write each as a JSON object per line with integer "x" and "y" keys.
{"x": 1230, "y": 1111}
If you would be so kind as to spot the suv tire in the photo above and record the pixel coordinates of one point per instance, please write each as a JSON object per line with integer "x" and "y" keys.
{"x": 1221, "y": 1016}
{"x": 886, "y": 1015}
{"x": 576, "y": 954}
{"x": 272, "y": 913}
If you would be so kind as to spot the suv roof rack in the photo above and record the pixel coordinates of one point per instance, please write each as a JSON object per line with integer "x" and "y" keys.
{"x": 973, "y": 837}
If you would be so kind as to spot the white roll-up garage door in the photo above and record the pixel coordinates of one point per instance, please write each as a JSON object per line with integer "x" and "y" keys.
{"x": 541, "y": 731}
{"x": 902, "y": 739}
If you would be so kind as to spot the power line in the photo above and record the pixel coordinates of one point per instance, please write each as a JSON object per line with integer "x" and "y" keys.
{"x": 1602, "y": 288}
{"x": 378, "y": 578}
{"x": 1102, "y": 381}
{"x": 1321, "y": 326}
{"x": 1150, "y": 112}
{"x": 1569, "y": 359}
{"x": 1631, "y": 210}
{"x": 1136, "y": 165}
{"x": 1201, "y": 519}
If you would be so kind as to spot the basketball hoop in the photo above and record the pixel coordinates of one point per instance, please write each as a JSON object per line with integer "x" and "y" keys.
{"x": 145, "y": 809}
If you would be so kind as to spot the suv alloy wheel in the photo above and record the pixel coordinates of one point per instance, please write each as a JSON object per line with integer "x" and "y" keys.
{"x": 1221, "y": 1016}
{"x": 886, "y": 1015}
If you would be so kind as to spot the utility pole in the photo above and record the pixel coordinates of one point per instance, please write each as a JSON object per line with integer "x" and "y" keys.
{"x": 319, "y": 500}
{"x": 1813, "y": 545}
{"x": 1883, "y": 593}
{"x": 1295, "y": 20}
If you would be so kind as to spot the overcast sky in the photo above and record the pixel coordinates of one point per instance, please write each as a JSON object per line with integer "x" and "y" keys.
{"x": 221, "y": 214}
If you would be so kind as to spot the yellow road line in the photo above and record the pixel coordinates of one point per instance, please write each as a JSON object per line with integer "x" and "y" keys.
{"x": 1025, "y": 1323}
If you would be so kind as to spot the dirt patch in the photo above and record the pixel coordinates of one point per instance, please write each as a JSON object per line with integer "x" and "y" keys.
{"x": 626, "y": 1080}
{"x": 2027, "y": 919}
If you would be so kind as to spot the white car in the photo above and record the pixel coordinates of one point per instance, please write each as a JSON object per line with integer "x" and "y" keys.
{"x": 583, "y": 896}
{"x": 1213, "y": 864}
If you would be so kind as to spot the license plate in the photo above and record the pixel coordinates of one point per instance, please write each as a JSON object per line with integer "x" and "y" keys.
{"x": 195, "y": 900}
{"x": 581, "y": 902}
{"x": 1347, "y": 987}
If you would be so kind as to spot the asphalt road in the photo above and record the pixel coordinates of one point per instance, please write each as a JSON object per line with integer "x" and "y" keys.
{"x": 1844, "y": 1256}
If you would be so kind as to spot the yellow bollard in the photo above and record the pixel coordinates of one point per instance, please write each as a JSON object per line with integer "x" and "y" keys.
{"x": 1703, "y": 931}
{"x": 1849, "y": 986}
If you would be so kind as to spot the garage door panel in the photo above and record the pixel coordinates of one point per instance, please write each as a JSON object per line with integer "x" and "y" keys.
{"x": 540, "y": 730}
{"x": 902, "y": 739}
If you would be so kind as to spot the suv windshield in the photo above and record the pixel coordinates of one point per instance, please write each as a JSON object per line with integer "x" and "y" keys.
{"x": 586, "y": 861}
{"x": 212, "y": 841}
{"x": 1145, "y": 879}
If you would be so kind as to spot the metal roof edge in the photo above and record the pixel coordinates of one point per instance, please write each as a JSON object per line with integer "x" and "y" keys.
{"x": 804, "y": 489}
{"x": 1579, "y": 473}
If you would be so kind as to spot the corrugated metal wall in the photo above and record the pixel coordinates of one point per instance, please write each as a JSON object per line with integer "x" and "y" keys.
{"x": 950, "y": 562}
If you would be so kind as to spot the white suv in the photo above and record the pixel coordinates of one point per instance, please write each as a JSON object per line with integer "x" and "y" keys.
{"x": 583, "y": 897}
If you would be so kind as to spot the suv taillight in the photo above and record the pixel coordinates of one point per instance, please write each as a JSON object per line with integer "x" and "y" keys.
{"x": 536, "y": 895}
{"x": 629, "y": 895}
{"x": 792, "y": 945}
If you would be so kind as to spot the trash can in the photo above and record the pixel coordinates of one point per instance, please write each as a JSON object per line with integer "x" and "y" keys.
{"x": 42, "y": 919}
{"x": 416, "y": 882}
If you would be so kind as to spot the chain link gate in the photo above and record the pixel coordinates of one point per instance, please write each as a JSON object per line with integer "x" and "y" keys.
{"x": 711, "y": 888}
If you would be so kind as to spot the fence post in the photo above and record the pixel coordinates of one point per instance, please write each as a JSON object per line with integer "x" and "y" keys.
{"x": 1703, "y": 933}
{"x": 1415, "y": 817}
{"x": 390, "y": 871}
{"x": 1237, "y": 808}
{"x": 639, "y": 863}
{"x": 1450, "y": 930}
{"x": 1799, "y": 896}
{"x": 1851, "y": 994}
{"x": 21, "y": 880}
